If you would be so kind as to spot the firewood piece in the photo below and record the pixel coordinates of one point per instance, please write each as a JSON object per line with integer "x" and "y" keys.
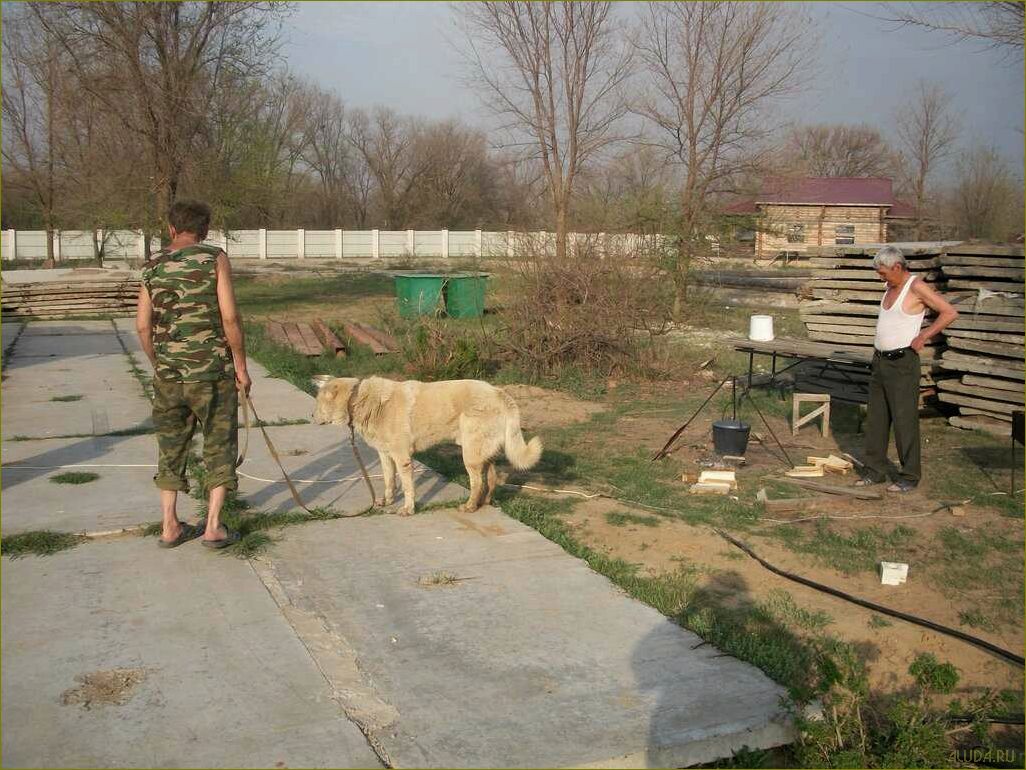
{"x": 710, "y": 488}
{"x": 806, "y": 471}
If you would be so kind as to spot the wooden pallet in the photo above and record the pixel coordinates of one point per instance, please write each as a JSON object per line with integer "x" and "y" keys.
{"x": 300, "y": 337}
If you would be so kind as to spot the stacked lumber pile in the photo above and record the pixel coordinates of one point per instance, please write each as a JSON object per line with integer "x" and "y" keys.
{"x": 985, "y": 343}
{"x": 840, "y": 305}
{"x": 69, "y": 299}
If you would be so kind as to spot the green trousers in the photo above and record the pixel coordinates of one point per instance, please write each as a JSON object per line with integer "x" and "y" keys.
{"x": 893, "y": 401}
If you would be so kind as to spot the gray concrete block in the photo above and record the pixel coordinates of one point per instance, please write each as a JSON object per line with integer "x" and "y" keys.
{"x": 226, "y": 682}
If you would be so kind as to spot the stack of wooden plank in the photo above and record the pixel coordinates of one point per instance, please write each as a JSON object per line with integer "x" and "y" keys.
{"x": 69, "y": 299}
{"x": 985, "y": 343}
{"x": 841, "y": 302}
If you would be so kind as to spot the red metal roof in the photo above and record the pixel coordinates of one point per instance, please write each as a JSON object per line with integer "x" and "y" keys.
{"x": 825, "y": 191}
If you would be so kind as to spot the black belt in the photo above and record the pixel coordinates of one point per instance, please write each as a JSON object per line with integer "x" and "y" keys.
{"x": 893, "y": 355}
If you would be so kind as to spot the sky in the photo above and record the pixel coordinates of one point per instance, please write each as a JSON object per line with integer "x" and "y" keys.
{"x": 404, "y": 55}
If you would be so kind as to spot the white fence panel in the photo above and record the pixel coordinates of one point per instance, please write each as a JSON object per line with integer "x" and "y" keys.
{"x": 320, "y": 244}
{"x": 358, "y": 244}
{"x": 282, "y": 244}
{"x": 462, "y": 243}
{"x": 427, "y": 243}
{"x": 392, "y": 243}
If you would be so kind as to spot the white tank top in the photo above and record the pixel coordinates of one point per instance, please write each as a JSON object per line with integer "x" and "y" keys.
{"x": 894, "y": 327}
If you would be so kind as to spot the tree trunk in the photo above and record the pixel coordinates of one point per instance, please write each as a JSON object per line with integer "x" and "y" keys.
{"x": 561, "y": 233}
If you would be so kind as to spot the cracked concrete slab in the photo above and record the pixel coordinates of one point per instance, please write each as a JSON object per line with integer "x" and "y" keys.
{"x": 225, "y": 682}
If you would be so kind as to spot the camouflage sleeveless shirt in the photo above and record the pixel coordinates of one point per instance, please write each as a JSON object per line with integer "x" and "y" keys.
{"x": 188, "y": 337}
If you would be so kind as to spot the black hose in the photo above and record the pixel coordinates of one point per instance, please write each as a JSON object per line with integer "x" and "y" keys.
{"x": 1010, "y": 656}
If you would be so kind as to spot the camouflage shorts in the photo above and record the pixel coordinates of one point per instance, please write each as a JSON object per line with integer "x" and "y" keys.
{"x": 177, "y": 408}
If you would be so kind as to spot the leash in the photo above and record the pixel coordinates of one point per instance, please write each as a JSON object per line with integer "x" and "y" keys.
{"x": 352, "y": 440}
{"x": 247, "y": 408}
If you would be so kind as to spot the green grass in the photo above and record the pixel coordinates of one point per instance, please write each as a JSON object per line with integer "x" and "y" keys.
{"x": 622, "y": 519}
{"x": 781, "y": 605}
{"x": 261, "y": 297}
{"x": 860, "y": 551}
{"x": 40, "y": 542}
{"x": 66, "y": 398}
{"x": 976, "y": 619}
{"x": 74, "y": 477}
{"x": 878, "y": 621}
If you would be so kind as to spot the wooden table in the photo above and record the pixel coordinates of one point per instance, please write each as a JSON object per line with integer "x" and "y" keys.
{"x": 828, "y": 355}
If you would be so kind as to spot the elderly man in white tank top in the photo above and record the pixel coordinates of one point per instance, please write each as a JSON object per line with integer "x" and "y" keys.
{"x": 894, "y": 386}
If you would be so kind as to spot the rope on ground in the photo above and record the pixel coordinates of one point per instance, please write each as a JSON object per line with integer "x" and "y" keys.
{"x": 418, "y": 469}
{"x": 1010, "y": 656}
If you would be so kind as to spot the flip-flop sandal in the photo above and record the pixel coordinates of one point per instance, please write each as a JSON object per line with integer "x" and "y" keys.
{"x": 233, "y": 537}
{"x": 187, "y": 533}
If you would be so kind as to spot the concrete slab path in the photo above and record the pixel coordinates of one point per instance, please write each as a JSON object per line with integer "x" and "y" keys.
{"x": 482, "y": 644}
{"x": 225, "y": 682}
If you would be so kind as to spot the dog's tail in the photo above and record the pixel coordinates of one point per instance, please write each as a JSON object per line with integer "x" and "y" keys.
{"x": 522, "y": 456}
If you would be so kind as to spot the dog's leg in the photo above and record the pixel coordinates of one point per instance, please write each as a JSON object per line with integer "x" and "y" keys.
{"x": 493, "y": 481}
{"x": 388, "y": 473}
{"x": 406, "y": 475}
{"x": 474, "y": 471}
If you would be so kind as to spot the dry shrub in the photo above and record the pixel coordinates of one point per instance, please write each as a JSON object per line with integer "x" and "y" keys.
{"x": 600, "y": 313}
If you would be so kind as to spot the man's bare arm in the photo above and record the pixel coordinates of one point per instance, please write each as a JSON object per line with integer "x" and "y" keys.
{"x": 945, "y": 313}
{"x": 144, "y": 323}
{"x": 231, "y": 321}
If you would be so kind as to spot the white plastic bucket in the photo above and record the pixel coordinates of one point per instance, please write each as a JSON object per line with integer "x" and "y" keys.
{"x": 761, "y": 328}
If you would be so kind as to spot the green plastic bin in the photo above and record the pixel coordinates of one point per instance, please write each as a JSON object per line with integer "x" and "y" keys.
{"x": 419, "y": 294}
{"x": 465, "y": 295}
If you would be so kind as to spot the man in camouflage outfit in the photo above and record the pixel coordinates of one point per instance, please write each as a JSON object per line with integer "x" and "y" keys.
{"x": 190, "y": 329}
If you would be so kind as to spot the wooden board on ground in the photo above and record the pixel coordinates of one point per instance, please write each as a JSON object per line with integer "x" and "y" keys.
{"x": 327, "y": 337}
{"x": 302, "y": 340}
{"x": 276, "y": 332}
{"x": 357, "y": 333}
{"x": 975, "y": 391}
{"x": 971, "y": 410}
{"x": 985, "y": 424}
{"x": 860, "y": 493}
{"x": 387, "y": 340}
{"x": 987, "y": 405}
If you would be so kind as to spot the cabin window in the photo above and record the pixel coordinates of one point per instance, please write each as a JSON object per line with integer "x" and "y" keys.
{"x": 844, "y": 235}
{"x": 796, "y": 233}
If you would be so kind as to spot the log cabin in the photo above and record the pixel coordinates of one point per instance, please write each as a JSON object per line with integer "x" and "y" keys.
{"x": 792, "y": 215}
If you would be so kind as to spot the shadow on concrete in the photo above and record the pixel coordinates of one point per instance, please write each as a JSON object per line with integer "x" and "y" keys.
{"x": 80, "y": 452}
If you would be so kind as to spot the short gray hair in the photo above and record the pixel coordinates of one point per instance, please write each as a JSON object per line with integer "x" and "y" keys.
{"x": 889, "y": 256}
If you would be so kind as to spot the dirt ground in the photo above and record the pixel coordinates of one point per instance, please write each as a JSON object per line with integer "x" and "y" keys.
{"x": 734, "y": 576}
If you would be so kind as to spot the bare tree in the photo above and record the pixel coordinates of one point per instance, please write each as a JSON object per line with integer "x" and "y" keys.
{"x": 997, "y": 25}
{"x": 987, "y": 198}
{"x": 34, "y": 96}
{"x": 838, "y": 150}
{"x": 387, "y": 143}
{"x": 552, "y": 72}
{"x": 926, "y": 129}
{"x": 158, "y": 65}
{"x": 715, "y": 70}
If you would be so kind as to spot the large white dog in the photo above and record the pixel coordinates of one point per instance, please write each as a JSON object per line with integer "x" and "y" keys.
{"x": 400, "y": 418}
